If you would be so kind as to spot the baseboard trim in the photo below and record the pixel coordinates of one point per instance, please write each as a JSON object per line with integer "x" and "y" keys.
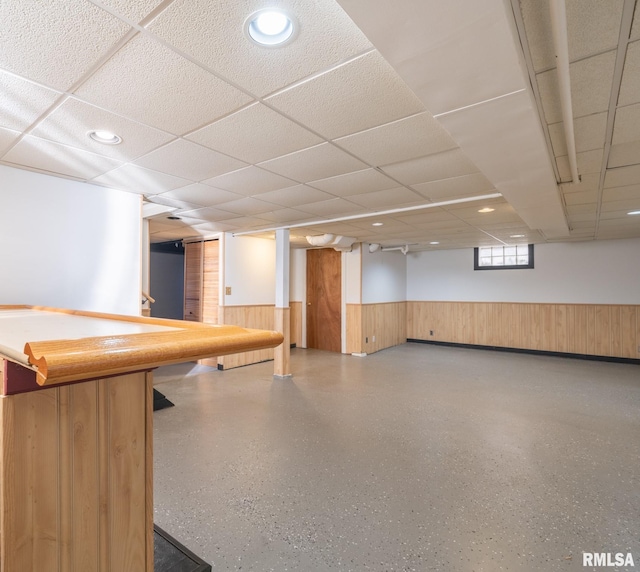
{"x": 587, "y": 357}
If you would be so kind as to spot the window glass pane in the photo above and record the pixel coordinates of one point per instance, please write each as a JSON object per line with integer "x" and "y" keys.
{"x": 509, "y": 250}
{"x": 497, "y": 250}
{"x": 498, "y": 261}
{"x": 524, "y": 260}
{"x": 485, "y": 252}
{"x": 510, "y": 260}
{"x": 485, "y": 261}
{"x": 523, "y": 249}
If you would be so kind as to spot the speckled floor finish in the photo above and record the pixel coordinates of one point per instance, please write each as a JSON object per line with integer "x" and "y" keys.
{"x": 414, "y": 458}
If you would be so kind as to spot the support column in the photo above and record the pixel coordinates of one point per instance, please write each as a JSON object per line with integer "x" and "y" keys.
{"x": 282, "y": 366}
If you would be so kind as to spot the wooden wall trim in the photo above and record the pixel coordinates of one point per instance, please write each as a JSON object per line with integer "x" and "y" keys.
{"x": 249, "y": 316}
{"x": 586, "y": 329}
{"x": 374, "y": 327}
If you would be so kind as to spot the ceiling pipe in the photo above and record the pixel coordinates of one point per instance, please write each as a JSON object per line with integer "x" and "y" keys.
{"x": 558, "y": 13}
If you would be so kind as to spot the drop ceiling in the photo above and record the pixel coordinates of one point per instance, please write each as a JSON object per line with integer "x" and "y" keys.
{"x": 415, "y": 113}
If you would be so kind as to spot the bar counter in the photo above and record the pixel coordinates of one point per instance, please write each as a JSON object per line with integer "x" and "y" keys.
{"x": 76, "y": 432}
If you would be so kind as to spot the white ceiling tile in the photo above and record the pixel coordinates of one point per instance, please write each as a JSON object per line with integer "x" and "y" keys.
{"x": 171, "y": 93}
{"x": 189, "y": 161}
{"x": 163, "y": 199}
{"x": 286, "y": 216}
{"x": 200, "y": 194}
{"x": 213, "y": 34}
{"x": 244, "y": 222}
{"x": 213, "y": 227}
{"x": 295, "y": 196}
{"x": 254, "y": 134}
{"x": 389, "y": 199}
{"x": 21, "y": 101}
{"x": 400, "y": 140}
{"x": 626, "y": 128}
{"x": 632, "y": 192}
{"x": 7, "y": 137}
{"x": 589, "y": 134}
{"x": 455, "y": 187}
{"x": 134, "y": 11}
{"x": 593, "y": 28}
{"x": 635, "y": 27}
{"x": 590, "y": 87}
{"x": 250, "y": 181}
{"x": 70, "y": 123}
{"x": 247, "y": 206}
{"x": 333, "y": 208}
{"x": 355, "y": 183}
{"x": 432, "y": 168}
{"x": 58, "y": 159}
{"x": 206, "y": 214}
{"x": 363, "y": 93}
{"x": 624, "y": 154}
{"x": 630, "y": 86}
{"x": 314, "y": 163}
{"x": 581, "y": 198}
{"x": 341, "y": 228}
{"x": 621, "y": 206}
{"x": 73, "y": 34}
{"x": 140, "y": 180}
{"x": 452, "y": 54}
{"x": 622, "y": 176}
{"x": 588, "y": 162}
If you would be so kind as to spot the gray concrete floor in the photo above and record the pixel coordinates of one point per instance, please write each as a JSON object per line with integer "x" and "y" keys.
{"x": 415, "y": 458}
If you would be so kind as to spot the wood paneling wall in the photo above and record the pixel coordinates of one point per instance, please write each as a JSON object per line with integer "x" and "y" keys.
{"x": 260, "y": 317}
{"x": 76, "y": 483}
{"x": 588, "y": 329}
{"x": 296, "y": 323}
{"x": 386, "y": 322}
{"x": 193, "y": 281}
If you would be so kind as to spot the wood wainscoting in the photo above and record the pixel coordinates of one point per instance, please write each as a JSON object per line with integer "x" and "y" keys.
{"x": 296, "y": 323}
{"x": 587, "y": 329}
{"x": 374, "y": 327}
{"x": 260, "y": 317}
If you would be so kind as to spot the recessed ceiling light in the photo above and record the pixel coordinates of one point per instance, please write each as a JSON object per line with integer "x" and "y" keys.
{"x": 104, "y": 136}
{"x": 486, "y": 210}
{"x": 377, "y": 223}
{"x": 434, "y": 242}
{"x": 633, "y": 212}
{"x": 270, "y": 27}
{"x": 517, "y": 236}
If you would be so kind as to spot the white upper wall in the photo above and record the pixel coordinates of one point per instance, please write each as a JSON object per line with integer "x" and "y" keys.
{"x": 384, "y": 276}
{"x": 249, "y": 270}
{"x": 600, "y": 272}
{"x": 68, "y": 244}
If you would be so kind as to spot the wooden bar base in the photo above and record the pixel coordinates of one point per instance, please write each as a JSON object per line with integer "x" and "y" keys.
{"x": 76, "y": 481}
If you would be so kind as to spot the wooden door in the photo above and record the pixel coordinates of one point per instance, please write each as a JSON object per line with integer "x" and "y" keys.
{"x": 324, "y": 299}
{"x": 210, "y": 282}
{"x": 193, "y": 281}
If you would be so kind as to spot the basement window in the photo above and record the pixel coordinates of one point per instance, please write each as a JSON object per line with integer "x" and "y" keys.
{"x": 503, "y": 257}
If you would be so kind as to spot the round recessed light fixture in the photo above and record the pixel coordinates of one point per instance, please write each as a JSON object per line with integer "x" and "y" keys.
{"x": 377, "y": 224}
{"x": 104, "y": 136}
{"x": 633, "y": 213}
{"x": 270, "y": 27}
{"x": 486, "y": 210}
